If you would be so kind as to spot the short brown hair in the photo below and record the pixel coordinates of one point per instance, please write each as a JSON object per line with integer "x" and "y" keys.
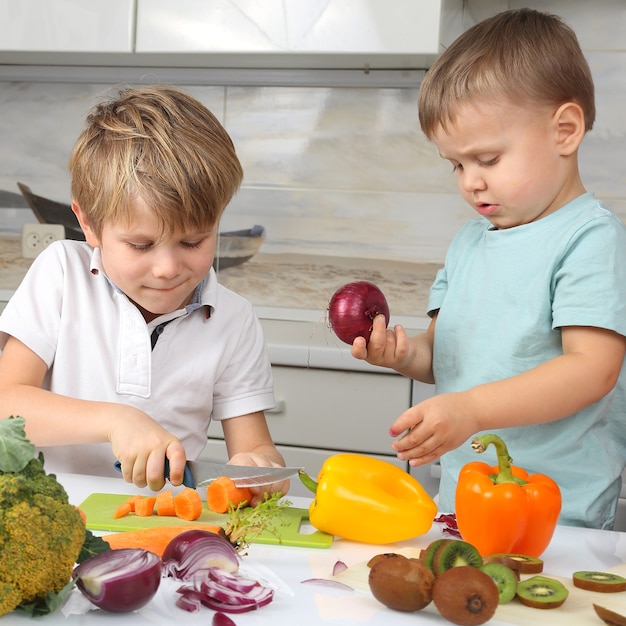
{"x": 524, "y": 55}
{"x": 161, "y": 144}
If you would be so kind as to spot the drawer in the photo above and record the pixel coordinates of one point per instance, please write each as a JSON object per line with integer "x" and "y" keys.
{"x": 338, "y": 409}
{"x": 311, "y": 460}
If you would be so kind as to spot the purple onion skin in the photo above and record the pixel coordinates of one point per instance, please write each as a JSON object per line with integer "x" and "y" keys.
{"x": 130, "y": 577}
{"x": 352, "y": 309}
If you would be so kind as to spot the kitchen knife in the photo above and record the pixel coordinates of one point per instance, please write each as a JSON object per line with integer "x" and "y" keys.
{"x": 201, "y": 473}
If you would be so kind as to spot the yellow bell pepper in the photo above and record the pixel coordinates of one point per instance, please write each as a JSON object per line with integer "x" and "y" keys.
{"x": 364, "y": 499}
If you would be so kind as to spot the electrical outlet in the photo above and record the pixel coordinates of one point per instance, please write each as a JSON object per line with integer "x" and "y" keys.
{"x": 36, "y": 237}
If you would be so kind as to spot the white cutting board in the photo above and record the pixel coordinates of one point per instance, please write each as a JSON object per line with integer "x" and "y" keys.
{"x": 576, "y": 611}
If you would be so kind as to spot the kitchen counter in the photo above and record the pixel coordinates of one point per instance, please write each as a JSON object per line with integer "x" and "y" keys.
{"x": 312, "y": 605}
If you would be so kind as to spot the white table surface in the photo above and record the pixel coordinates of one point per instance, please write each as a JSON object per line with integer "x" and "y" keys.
{"x": 295, "y": 603}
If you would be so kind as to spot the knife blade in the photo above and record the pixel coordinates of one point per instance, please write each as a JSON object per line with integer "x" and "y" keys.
{"x": 201, "y": 473}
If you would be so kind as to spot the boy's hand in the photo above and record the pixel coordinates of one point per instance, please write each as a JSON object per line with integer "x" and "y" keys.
{"x": 431, "y": 428}
{"x": 141, "y": 445}
{"x": 259, "y": 460}
{"x": 386, "y": 347}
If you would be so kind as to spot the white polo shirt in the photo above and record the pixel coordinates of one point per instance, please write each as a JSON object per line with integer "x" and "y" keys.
{"x": 210, "y": 359}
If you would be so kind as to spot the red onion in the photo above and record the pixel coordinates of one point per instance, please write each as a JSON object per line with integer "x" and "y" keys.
{"x": 194, "y": 552}
{"x": 224, "y": 591}
{"x": 352, "y": 309}
{"x": 119, "y": 580}
{"x": 219, "y": 619}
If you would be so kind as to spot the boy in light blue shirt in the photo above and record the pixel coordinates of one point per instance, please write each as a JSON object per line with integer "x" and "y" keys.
{"x": 528, "y": 315}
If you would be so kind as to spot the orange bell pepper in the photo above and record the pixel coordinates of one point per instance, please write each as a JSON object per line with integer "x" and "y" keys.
{"x": 503, "y": 508}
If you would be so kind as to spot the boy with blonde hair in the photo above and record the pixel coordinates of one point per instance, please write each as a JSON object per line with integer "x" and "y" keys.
{"x": 528, "y": 331}
{"x": 124, "y": 347}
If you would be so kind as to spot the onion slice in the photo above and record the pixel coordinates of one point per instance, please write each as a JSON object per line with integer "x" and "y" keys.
{"x": 193, "y": 553}
{"x": 327, "y": 582}
{"x": 223, "y": 591}
{"x": 119, "y": 580}
{"x": 339, "y": 567}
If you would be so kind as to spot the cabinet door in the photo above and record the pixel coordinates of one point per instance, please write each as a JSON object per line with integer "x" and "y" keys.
{"x": 67, "y": 25}
{"x": 312, "y": 461}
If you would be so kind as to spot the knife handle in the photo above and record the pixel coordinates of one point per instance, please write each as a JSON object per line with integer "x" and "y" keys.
{"x": 188, "y": 480}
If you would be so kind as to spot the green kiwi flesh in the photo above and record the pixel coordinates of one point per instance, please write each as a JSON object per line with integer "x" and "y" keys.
{"x": 455, "y": 553}
{"x": 428, "y": 554}
{"x": 541, "y": 592}
{"x": 465, "y": 595}
{"x": 505, "y": 579}
{"x": 604, "y": 582}
{"x": 610, "y": 617}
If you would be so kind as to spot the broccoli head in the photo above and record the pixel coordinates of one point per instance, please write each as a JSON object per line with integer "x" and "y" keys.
{"x": 41, "y": 533}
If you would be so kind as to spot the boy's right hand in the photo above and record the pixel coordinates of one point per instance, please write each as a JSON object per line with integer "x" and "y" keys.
{"x": 387, "y": 347}
{"x": 141, "y": 446}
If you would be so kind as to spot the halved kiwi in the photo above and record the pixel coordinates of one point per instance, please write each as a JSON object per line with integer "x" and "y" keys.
{"x": 610, "y": 617}
{"x": 541, "y": 592}
{"x": 428, "y": 554}
{"x": 604, "y": 582}
{"x": 505, "y": 579}
{"x": 522, "y": 563}
{"x": 465, "y": 595}
{"x": 455, "y": 553}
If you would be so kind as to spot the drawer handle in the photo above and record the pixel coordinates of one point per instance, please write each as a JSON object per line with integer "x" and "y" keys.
{"x": 279, "y": 408}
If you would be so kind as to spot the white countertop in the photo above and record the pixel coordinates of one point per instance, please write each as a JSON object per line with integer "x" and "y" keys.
{"x": 311, "y": 605}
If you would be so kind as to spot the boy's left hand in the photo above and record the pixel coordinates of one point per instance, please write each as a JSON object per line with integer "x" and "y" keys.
{"x": 258, "y": 460}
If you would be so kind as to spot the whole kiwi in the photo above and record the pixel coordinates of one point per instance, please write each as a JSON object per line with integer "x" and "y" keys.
{"x": 401, "y": 583}
{"x": 465, "y": 595}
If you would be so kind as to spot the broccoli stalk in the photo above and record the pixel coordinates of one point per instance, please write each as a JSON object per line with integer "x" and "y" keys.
{"x": 41, "y": 533}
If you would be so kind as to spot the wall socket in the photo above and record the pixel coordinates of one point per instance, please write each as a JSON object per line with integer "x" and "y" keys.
{"x": 36, "y": 237}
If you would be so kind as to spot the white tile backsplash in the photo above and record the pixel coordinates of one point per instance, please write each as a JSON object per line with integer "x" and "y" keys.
{"x": 336, "y": 172}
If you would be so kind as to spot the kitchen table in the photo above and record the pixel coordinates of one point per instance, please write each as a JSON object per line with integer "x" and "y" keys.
{"x": 307, "y": 604}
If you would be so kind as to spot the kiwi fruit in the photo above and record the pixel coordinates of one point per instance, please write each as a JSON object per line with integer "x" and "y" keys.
{"x": 401, "y": 583}
{"x": 427, "y": 555}
{"x": 380, "y": 557}
{"x": 465, "y": 595}
{"x": 610, "y": 617}
{"x": 454, "y": 554}
{"x": 521, "y": 563}
{"x": 505, "y": 579}
{"x": 604, "y": 582}
{"x": 541, "y": 592}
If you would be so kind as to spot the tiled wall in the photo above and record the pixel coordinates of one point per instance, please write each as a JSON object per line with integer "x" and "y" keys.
{"x": 332, "y": 171}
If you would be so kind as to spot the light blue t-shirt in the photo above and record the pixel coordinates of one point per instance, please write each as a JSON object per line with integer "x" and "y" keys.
{"x": 503, "y": 296}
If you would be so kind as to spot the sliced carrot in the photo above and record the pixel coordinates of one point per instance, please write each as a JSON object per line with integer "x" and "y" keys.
{"x": 153, "y": 539}
{"x": 131, "y": 501}
{"x": 188, "y": 504}
{"x": 222, "y": 493}
{"x": 165, "y": 503}
{"x": 122, "y": 510}
{"x": 144, "y": 507}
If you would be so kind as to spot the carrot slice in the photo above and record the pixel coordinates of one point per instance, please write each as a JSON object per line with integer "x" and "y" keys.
{"x": 153, "y": 539}
{"x": 223, "y": 492}
{"x": 131, "y": 501}
{"x": 144, "y": 507}
{"x": 188, "y": 504}
{"x": 122, "y": 510}
{"x": 165, "y": 503}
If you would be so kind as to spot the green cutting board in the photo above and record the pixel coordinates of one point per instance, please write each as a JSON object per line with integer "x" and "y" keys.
{"x": 99, "y": 508}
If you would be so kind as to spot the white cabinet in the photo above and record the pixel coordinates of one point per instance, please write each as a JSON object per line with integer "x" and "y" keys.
{"x": 67, "y": 25}
{"x": 321, "y": 412}
{"x": 295, "y": 33}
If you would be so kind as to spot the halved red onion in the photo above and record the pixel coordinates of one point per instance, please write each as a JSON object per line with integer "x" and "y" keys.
{"x": 119, "y": 580}
{"x": 192, "y": 553}
{"x": 353, "y": 307}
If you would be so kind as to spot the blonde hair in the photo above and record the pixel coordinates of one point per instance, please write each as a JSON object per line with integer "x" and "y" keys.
{"x": 524, "y": 56}
{"x": 162, "y": 145}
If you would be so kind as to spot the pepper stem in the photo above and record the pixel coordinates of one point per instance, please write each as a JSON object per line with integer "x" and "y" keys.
{"x": 505, "y": 474}
{"x": 307, "y": 481}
